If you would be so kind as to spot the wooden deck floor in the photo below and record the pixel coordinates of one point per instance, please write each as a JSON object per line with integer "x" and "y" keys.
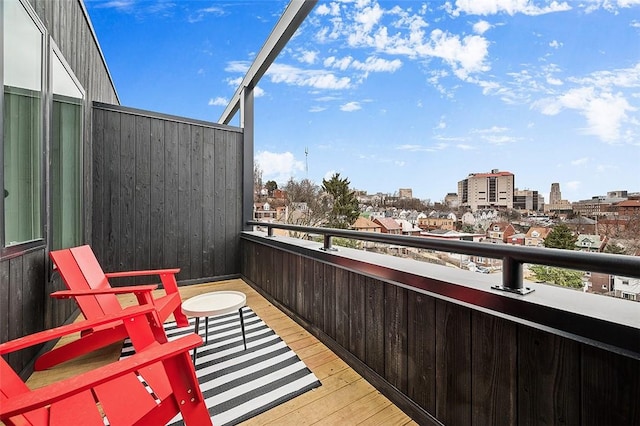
{"x": 344, "y": 398}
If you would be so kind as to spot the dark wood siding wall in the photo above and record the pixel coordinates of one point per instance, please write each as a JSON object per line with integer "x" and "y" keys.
{"x": 167, "y": 193}
{"x": 459, "y": 365}
{"x": 25, "y": 281}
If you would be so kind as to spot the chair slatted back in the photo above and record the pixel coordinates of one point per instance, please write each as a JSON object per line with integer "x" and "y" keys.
{"x": 80, "y": 270}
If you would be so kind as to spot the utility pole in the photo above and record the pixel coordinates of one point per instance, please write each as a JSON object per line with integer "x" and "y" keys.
{"x": 306, "y": 159}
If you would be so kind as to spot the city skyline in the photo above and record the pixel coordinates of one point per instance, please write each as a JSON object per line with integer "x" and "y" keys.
{"x": 395, "y": 95}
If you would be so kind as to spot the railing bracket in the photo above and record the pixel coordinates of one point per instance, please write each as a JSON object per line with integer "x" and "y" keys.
{"x": 521, "y": 291}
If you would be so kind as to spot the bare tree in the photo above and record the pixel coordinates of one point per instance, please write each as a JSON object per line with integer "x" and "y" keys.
{"x": 306, "y": 204}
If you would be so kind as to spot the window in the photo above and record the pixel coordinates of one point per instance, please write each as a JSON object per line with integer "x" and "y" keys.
{"x": 22, "y": 125}
{"x": 65, "y": 155}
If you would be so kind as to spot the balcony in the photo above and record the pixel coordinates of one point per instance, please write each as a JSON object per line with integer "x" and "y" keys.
{"x": 444, "y": 346}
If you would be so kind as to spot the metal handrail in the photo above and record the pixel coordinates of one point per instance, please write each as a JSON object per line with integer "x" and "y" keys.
{"x": 513, "y": 257}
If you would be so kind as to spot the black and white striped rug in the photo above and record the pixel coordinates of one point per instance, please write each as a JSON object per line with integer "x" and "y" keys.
{"x": 239, "y": 384}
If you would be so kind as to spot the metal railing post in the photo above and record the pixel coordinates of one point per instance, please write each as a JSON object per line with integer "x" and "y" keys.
{"x": 327, "y": 243}
{"x": 512, "y": 277}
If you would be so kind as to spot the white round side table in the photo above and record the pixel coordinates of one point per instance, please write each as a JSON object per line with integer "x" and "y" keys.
{"x": 212, "y": 304}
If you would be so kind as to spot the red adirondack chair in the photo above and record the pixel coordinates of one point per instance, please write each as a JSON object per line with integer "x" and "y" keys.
{"x": 90, "y": 287}
{"x": 116, "y": 388}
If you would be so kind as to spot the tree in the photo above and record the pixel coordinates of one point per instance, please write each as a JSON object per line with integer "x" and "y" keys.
{"x": 271, "y": 186}
{"x": 343, "y": 201}
{"x": 561, "y": 237}
{"x": 257, "y": 181}
{"x": 614, "y": 249}
{"x": 559, "y": 276}
{"x": 305, "y": 203}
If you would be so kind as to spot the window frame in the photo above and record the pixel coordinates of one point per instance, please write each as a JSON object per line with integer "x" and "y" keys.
{"x": 55, "y": 50}
{"x": 23, "y": 247}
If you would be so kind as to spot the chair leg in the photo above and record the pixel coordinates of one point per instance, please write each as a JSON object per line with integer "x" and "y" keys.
{"x": 244, "y": 337}
{"x": 197, "y": 331}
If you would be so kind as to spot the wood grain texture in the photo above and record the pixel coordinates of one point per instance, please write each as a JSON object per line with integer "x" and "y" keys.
{"x": 548, "y": 379}
{"x": 421, "y": 383}
{"x": 494, "y": 370}
{"x": 453, "y": 364}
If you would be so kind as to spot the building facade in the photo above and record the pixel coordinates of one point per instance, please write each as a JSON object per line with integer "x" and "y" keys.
{"x": 487, "y": 190}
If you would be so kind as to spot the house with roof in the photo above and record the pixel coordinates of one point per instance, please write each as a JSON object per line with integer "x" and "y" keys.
{"x": 499, "y": 232}
{"x": 408, "y": 228}
{"x": 388, "y": 225}
{"x": 516, "y": 239}
{"x": 627, "y": 209}
{"x": 365, "y": 225}
{"x": 436, "y": 220}
{"x": 582, "y": 225}
{"x": 535, "y": 236}
{"x": 626, "y": 288}
{"x": 591, "y": 243}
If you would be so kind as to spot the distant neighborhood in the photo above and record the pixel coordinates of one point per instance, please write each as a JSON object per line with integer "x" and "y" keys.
{"x": 488, "y": 208}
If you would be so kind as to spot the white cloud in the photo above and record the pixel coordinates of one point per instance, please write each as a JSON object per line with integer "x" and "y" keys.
{"x": 116, "y": 4}
{"x": 465, "y": 56}
{"x": 510, "y": 7}
{"x": 580, "y": 161}
{"x": 341, "y": 64}
{"x": 219, "y": 101}
{"x": 258, "y": 92}
{"x": 308, "y": 56}
{"x": 373, "y": 64}
{"x": 604, "y": 111}
{"x": 481, "y": 27}
{"x": 278, "y": 166}
{"x": 319, "y": 79}
{"x": 350, "y": 107}
{"x": 555, "y": 44}
{"x": 238, "y": 66}
{"x": 317, "y": 109}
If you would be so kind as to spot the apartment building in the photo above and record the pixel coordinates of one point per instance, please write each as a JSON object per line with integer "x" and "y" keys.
{"x": 487, "y": 190}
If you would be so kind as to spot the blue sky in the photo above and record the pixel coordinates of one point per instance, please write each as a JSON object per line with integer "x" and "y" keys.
{"x": 402, "y": 94}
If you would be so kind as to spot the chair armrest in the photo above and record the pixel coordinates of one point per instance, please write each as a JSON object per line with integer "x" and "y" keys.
{"x": 136, "y": 289}
{"x": 141, "y": 273}
{"x": 54, "y": 333}
{"x": 65, "y": 388}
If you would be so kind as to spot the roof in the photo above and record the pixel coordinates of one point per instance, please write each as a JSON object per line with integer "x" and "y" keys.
{"x": 542, "y": 232}
{"x": 388, "y": 223}
{"x": 364, "y": 223}
{"x": 629, "y": 203}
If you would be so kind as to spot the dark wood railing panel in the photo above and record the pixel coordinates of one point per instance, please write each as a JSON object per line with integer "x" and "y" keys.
{"x": 548, "y": 378}
{"x": 395, "y": 336}
{"x": 494, "y": 370}
{"x": 453, "y": 363}
{"x": 422, "y": 350}
{"x": 438, "y": 358}
{"x": 610, "y": 388}
{"x": 374, "y": 323}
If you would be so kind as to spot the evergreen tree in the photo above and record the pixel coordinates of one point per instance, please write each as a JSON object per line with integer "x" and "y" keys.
{"x": 561, "y": 237}
{"x": 344, "y": 205}
{"x": 559, "y": 276}
{"x": 614, "y": 249}
{"x": 271, "y": 186}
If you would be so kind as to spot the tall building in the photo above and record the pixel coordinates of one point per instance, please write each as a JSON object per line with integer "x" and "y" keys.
{"x": 556, "y": 203}
{"x": 405, "y": 193}
{"x": 487, "y": 190}
{"x": 527, "y": 199}
{"x": 555, "y": 196}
